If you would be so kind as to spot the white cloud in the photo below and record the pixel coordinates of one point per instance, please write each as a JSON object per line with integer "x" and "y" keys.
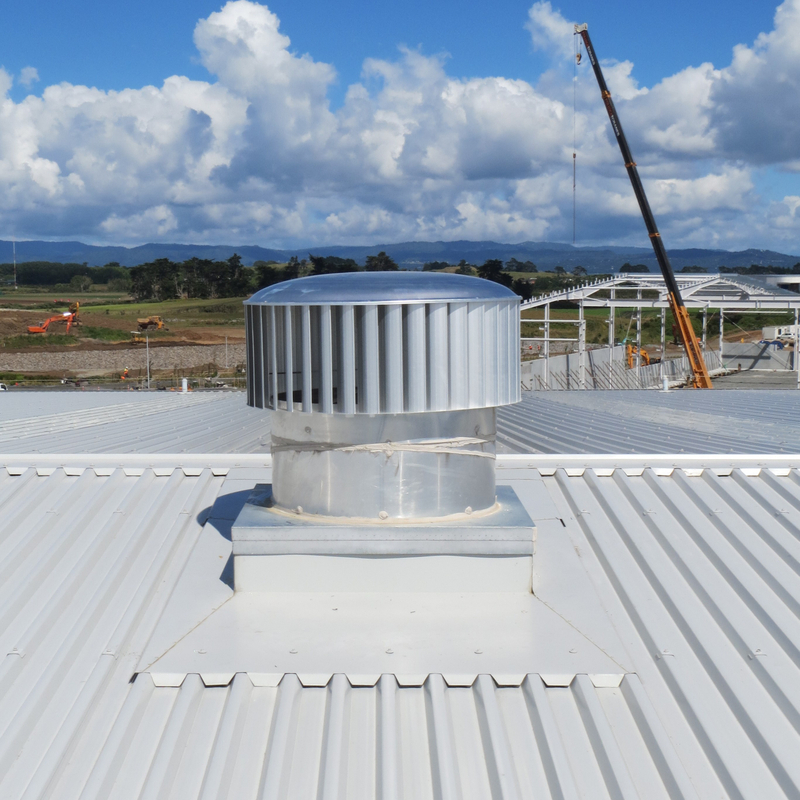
{"x": 549, "y": 30}
{"x": 28, "y": 76}
{"x": 757, "y": 98}
{"x": 257, "y": 154}
{"x": 159, "y": 219}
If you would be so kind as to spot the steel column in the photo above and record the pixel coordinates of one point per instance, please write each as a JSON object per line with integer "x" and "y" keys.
{"x": 611, "y": 332}
{"x": 705, "y": 323}
{"x": 797, "y": 344}
{"x": 638, "y": 343}
{"x": 663, "y": 342}
{"x": 547, "y": 345}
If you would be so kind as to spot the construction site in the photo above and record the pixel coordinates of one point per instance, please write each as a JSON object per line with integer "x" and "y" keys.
{"x": 441, "y": 544}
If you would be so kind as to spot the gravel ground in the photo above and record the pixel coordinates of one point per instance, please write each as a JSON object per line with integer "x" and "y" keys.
{"x": 98, "y": 362}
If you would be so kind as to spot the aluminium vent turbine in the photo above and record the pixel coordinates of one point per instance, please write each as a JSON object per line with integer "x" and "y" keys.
{"x": 383, "y": 389}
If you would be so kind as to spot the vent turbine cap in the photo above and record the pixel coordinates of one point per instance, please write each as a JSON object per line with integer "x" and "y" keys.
{"x": 382, "y": 343}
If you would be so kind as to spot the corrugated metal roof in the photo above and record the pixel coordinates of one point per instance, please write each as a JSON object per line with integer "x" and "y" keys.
{"x": 695, "y": 561}
{"x": 122, "y": 422}
{"x": 20, "y": 403}
{"x": 742, "y": 421}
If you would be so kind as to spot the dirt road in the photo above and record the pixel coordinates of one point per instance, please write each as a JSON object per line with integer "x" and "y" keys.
{"x": 100, "y": 362}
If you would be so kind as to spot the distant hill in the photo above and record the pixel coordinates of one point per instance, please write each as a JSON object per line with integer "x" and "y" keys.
{"x": 409, "y": 255}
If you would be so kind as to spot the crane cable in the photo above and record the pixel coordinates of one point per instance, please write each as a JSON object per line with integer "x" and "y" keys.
{"x": 630, "y": 324}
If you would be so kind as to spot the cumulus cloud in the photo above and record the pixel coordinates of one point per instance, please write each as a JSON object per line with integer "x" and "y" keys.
{"x": 257, "y": 154}
{"x": 28, "y": 76}
{"x": 756, "y": 99}
{"x": 549, "y": 30}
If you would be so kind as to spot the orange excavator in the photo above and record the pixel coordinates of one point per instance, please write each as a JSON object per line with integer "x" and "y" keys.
{"x": 70, "y": 317}
{"x": 700, "y": 376}
{"x": 631, "y": 352}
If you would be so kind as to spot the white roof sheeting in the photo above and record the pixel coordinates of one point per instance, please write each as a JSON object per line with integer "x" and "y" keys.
{"x": 127, "y": 422}
{"x": 641, "y": 421}
{"x": 739, "y": 421}
{"x": 695, "y": 561}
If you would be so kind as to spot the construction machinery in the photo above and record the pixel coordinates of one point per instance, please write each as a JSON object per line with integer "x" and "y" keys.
{"x": 147, "y": 323}
{"x": 631, "y": 351}
{"x": 700, "y": 376}
{"x": 70, "y": 317}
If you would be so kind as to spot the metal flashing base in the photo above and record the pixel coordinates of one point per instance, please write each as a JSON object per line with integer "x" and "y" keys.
{"x": 276, "y": 551}
{"x": 407, "y": 633}
{"x": 262, "y": 530}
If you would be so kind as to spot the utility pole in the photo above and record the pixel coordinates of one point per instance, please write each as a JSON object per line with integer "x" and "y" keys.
{"x": 14, "y": 247}
{"x": 147, "y": 350}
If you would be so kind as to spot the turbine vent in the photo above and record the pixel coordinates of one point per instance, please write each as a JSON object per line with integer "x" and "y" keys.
{"x": 382, "y": 343}
{"x": 383, "y": 388}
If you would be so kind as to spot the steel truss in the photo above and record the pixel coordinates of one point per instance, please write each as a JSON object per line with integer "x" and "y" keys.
{"x": 702, "y": 291}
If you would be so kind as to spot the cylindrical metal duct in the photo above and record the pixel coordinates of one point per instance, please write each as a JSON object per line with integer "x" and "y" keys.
{"x": 386, "y": 466}
{"x": 383, "y": 388}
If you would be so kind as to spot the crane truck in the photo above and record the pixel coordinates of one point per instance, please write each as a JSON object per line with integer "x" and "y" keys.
{"x": 700, "y": 376}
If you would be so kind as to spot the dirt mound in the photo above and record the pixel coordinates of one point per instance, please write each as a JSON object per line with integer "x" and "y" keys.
{"x": 14, "y": 322}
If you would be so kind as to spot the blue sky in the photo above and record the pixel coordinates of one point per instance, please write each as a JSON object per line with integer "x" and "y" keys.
{"x": 344, "y": 135}
{"x": 117, "y": 45}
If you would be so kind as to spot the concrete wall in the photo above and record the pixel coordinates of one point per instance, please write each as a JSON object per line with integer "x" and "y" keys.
{"x": 564, "y": 372}
{"x": 755, "y": 355}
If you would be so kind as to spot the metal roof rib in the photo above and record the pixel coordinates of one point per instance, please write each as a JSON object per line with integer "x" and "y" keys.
{"x": 695, "y": 561}
{"x": 201, "y": 422}
{"x": 738, "y": 421}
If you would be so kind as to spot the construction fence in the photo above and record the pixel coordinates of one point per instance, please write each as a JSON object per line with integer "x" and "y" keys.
{"x": 602, "y": 369}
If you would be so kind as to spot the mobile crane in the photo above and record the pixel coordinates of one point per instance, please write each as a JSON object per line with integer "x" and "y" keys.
{"x": 700, "y": 376}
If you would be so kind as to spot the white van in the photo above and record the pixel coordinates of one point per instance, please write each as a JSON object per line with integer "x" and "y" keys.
{"x": 3, "y": 387}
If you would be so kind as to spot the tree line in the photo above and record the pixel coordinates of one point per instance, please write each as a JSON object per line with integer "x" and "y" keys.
{"x": 164, "y": 279}
{"x": 200, "y": 278}
{"x": 51, "y": 273}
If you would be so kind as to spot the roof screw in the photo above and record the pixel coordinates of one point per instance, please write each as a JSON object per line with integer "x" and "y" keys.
{"x": 478, "y": 651}
{"x": 389, "y": 650}
{"x": 468, "y": 510}
{"x": 293, "y": 652}
{"x": 573, "y": 650}
{"x": 383, "y": 515}
{"x": 299, "y": 509}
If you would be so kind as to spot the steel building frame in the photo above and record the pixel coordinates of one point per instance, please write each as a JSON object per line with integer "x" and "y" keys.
{"x": 717, "y": 291}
